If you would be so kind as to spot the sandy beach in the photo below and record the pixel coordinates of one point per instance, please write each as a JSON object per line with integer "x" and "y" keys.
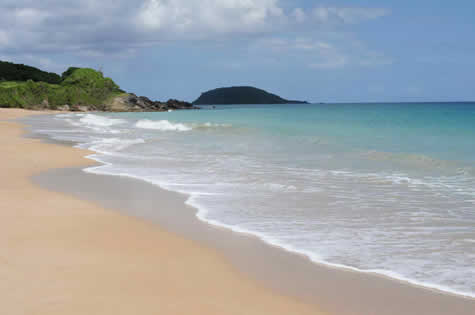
{"x": 79, "y": 243}
{"x": 63, "y": 255}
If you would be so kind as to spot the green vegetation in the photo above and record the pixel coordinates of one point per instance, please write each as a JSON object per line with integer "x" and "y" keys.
{"x": 19, "y": 72}
{"x": 240, "y": 95}
{"x": 76, "y": 87}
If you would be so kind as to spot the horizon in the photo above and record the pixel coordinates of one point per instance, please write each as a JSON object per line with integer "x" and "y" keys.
{"x": 328, "y": 52}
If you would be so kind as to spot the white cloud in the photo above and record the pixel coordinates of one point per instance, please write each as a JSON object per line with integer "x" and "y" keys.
{"x": 209, "y": 16}
{"x": 333, "y": 53}
{"x": 98, "y": 28}
{"x": 29, "y": 17}
{"x": 311, "y": 45}
{"x": 347, "y": 15}
{"x": 335, "y": 62}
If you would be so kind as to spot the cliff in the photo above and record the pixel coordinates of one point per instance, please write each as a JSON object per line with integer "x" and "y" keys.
{"x": 241, "y": 95}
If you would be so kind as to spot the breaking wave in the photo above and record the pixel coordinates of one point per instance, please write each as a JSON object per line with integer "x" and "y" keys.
{"x": 163, "y": 125}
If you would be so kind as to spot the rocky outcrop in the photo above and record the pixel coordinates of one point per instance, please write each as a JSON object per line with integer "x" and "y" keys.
{"x": 132, "y": 102}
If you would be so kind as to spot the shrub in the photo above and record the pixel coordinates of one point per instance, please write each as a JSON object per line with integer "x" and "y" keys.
{"x": 19, "y": 72}
{"x": 81, "y": 86}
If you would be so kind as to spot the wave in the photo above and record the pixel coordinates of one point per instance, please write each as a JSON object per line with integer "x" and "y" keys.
{"x": 420, "y": 161}
{"x": 202, "y": 214}
{"x": 459, "y": 184}
{"x": 109, "y": 146}
{"x": 163, "y": 125}
{"x": 93, "y": 122}
{"x": 210, "y": 125}
{"x": 100, "y": 121}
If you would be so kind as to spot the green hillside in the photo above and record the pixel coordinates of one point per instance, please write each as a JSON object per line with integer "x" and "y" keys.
{"x": 76, "y": 87}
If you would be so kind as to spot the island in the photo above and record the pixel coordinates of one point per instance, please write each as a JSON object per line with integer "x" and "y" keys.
{"x": 241, "y": 95}
{"x": 77, "y": 89}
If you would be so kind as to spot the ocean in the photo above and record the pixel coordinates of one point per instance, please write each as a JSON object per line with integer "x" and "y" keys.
{"x": 379, "y": 188}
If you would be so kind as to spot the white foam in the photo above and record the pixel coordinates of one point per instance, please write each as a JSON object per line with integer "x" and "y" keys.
{"x": 332, "y": 179}
{"x": 95, "y": 120}
{"x": 163, "y": 125}
{"x": 99, "y": 124}
{"x": 202, "y": 215}
{"x": 111, "y": 145}
{"x": 211, "y": 125}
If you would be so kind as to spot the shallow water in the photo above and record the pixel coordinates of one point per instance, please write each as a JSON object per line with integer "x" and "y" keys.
{"x": 387, "y": 188}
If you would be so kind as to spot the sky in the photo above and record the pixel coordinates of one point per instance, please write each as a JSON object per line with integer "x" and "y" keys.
{"x": 320, "y": 51}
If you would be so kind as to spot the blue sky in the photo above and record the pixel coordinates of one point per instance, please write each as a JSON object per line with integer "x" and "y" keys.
{"x": 321, "y": 51}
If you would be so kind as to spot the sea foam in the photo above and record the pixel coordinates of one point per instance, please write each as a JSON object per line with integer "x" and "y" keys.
{"x": 95, "y": 120}
{"x": 110, "y": 146}
{"x": 99, "y": 124}
{"x": 163, "y": 125}
{"x": 403, "y": 209}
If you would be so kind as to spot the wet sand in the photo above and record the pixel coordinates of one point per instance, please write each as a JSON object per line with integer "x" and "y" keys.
{"x": 334, "y": 290}
{"x": 64, "y": 255}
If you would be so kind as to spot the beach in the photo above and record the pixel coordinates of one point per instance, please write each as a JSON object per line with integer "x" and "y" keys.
{"x": 80, "y": 243}
{"x": 62, "y": 255}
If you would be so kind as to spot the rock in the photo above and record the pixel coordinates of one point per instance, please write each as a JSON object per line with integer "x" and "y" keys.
{"x": 132, "y": 102}
{"x": 64, "y": 108}
{"x": 79, "y": 108}
{"x": 176, "y": 104}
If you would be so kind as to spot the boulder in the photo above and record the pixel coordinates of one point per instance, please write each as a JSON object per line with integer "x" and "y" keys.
{"x": 64, "y": 108}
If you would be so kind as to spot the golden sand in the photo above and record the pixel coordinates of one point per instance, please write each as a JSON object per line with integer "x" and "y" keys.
{"x": 61, "y": 255}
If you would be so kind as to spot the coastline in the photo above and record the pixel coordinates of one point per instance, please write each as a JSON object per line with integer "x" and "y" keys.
{"x": 333, "y": 289}
{"x": 64, "y": 255}
{"x": 251, "y": 255}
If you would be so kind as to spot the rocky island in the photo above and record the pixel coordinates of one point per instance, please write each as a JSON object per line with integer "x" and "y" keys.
{"x": 77, "y": 89}
{"x": 241, "y": 95}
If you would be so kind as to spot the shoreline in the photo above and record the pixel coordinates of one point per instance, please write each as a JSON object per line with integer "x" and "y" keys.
{"x": 64, "y": 255}
{"x": 200, "y": 216}
{"x": 297, "y": 292}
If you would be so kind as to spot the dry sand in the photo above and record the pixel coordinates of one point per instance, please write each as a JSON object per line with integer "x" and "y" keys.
{"x": 62, "y": 255}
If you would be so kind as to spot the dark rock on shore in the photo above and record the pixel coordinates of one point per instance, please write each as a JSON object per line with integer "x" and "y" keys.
{"x": 132, "y": 102}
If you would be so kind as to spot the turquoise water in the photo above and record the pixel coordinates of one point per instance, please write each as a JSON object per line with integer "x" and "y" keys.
{"x": 384, "y": 188}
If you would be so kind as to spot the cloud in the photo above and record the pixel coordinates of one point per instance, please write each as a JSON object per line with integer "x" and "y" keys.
{"x": 331, "y": 53}
{"x": 347, "y": 15}
{"x": 118, "y": 28}
{"x": 209, "y": 16}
